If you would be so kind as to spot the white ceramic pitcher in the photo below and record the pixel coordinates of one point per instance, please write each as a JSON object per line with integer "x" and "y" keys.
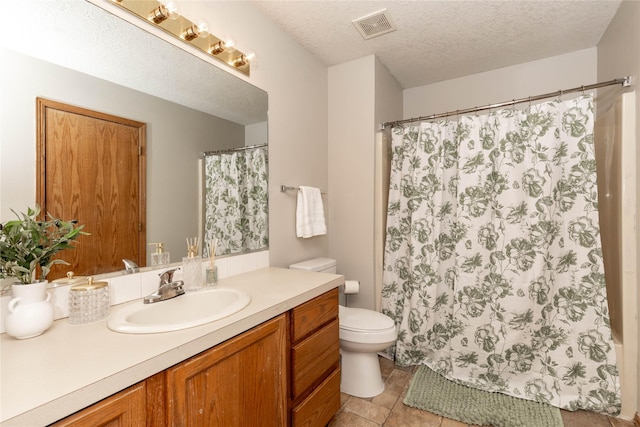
{"x": 30, "y": 312}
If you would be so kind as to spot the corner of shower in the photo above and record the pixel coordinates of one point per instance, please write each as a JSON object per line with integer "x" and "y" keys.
{"x": 616, "y": 157}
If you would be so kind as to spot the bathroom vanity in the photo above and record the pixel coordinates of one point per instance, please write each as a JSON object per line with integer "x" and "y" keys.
{"x": 276, "y": 361}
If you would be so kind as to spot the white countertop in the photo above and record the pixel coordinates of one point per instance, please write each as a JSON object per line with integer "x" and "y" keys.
{"x": 70, "y": 367}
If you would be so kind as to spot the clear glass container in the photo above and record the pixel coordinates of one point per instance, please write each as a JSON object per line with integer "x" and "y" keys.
{"x": 88, "y": 302}
{"x": 211, "y": 275}
{"x": 193, "y": 275}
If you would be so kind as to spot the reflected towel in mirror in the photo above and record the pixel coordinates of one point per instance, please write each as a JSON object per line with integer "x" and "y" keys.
{"x": 310, "y": 213}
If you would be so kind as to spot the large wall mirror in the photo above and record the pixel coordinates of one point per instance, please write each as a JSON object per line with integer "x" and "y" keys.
{"x": 108, "y": 65}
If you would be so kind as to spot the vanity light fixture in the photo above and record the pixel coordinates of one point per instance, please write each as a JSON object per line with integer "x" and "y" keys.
{"x": 165, "y": 16}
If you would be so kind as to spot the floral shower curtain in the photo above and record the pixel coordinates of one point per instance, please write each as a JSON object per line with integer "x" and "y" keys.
{"x": 236, "y": 200}
{"x": 493, "y": 267}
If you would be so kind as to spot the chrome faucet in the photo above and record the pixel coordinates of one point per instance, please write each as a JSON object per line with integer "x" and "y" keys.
{"x": 130, "y": 266}
{"x": 167, "y": 288}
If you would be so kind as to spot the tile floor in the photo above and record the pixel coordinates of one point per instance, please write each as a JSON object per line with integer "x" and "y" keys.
{"x": 387, "y": 409}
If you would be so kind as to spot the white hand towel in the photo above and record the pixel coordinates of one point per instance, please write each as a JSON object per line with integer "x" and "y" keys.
{"x": 310, "y": 213}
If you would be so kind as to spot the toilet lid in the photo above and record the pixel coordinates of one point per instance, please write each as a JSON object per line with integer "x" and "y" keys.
{"x": 360, "y": 319}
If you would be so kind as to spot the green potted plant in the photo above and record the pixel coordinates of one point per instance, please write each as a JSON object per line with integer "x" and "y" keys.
{"x": 27, "y": 243}
{"x": 27, "y": 247}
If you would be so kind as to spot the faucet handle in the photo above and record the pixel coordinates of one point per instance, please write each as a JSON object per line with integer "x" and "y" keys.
{"x": 167, "y": 275}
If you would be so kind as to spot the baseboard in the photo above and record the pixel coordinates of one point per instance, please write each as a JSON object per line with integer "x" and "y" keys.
{"x": 636, "y": 420}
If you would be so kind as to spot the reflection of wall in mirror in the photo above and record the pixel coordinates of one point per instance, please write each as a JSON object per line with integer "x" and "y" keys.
{"x": 256, "y": 134}
{"x": 176, "y": 137}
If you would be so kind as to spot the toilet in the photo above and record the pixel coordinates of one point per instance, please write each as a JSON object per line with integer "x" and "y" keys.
{"x": 363, "y": 333}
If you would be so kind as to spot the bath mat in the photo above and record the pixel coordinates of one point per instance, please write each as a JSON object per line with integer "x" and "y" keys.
{"x": 434, "y": 393}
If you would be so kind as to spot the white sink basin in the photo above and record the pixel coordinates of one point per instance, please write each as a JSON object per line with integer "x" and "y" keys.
{"x": 185, "y": 311}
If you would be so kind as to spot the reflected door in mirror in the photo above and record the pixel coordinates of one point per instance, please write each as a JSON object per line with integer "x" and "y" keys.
{"x": 92, "y": 168}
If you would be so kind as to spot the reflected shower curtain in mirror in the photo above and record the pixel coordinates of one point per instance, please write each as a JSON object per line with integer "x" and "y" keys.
{"x": 493, "y": 267}
{"x": 236, "y": 200}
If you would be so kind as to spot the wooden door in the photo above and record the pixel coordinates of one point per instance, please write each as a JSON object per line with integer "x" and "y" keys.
{"x": 241, "y": 382}
{"x": 92, "y": 168}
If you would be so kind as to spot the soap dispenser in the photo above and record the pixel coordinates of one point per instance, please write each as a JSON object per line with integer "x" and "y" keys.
{"x": 192, "y": 267}
{"x": 159, "y": 257}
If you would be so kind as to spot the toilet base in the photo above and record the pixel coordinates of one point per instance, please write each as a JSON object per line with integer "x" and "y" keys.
{"x": 361, "y": 375}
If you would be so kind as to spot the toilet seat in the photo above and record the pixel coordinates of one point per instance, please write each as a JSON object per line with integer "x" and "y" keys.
{"x": 363, "y": 320}
{"x": 360, "y": 325}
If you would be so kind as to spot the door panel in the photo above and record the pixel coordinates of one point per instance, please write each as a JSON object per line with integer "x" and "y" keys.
{"x": 241, "y": 382}
{"x": 92, "y": 168}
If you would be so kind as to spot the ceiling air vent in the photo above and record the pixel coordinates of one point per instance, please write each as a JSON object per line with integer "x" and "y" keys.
{"x": 374, "y": 24}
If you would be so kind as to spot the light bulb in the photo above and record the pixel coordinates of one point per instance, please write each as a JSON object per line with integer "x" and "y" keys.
{"x": 229, "y": 43}
{"x": 252, "y": 59}
{"x": 202, "y": 28}
{"x": 172, "y": 8}
{"x": 250, "y": 55}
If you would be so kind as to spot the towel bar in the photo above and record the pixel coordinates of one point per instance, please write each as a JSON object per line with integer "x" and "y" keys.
{"x": 284, "y": 188}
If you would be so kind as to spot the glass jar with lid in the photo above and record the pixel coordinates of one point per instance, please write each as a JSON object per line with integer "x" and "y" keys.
{"x": 88, "y": 302}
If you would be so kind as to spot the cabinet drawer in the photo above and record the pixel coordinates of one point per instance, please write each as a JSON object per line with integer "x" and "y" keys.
{"x": 313, "y": 314}
{"x": 321, "y": 405}
{"x": 314, "y": 357}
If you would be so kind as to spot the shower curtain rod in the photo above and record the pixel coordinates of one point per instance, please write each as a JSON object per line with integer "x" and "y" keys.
{"x": 625, "y": 82}
{"x": 232, "y": 150}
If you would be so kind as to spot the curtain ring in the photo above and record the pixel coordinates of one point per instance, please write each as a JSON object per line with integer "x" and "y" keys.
{"x": 582, "y": 88}
{"x": 488, "y": 107}
{"x": 529, "y": 101}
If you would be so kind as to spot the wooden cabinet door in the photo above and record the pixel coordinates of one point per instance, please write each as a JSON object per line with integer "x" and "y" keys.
{"x": 241, "y": 382}
{"x": 124, "y": 409}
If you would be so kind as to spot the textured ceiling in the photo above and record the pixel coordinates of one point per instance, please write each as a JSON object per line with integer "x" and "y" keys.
{"x": 440, "y": 40}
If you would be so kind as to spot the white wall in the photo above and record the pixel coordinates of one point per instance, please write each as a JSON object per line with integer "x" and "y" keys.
{"x": 362, "y": 94}
{"x": 295, "y": 80}
{"x": 619, "y": 56}
{"x": 256, "y": 134}
{"x": 504, "y": 84}
{"x": 351, "y": 137}
{"x": 388, "y": 101}
{"x": 388, "y": 108}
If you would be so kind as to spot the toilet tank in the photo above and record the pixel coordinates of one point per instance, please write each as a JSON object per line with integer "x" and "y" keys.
{"x": 320, "y": 265}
